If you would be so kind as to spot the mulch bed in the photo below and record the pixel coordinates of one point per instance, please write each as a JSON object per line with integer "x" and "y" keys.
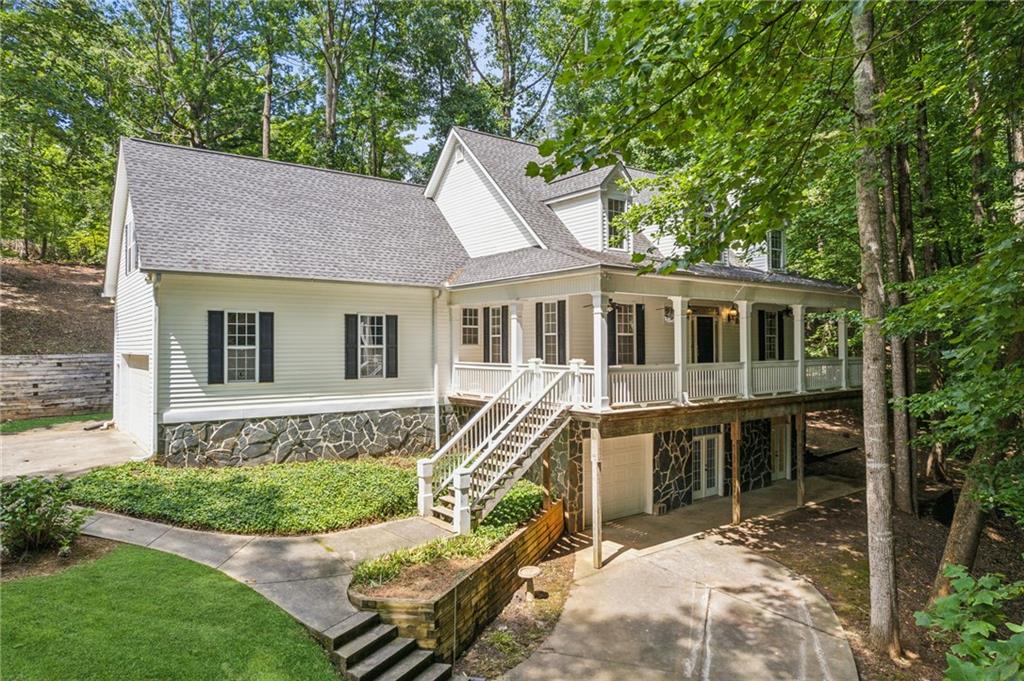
{"x": 426, "y": 579}
{"x": 84, "y": 550}
{"x": 523, "y": 626}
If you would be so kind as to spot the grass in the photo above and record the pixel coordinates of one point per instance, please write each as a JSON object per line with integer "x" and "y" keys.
{"x": 521, "y": 503}
{"x": 47, "y": 421}
{"x": 292, "y": 498}
{"x": 145, "y": 615}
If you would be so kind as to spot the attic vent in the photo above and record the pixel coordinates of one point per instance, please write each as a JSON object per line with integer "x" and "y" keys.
{"x": 458, "y": 154}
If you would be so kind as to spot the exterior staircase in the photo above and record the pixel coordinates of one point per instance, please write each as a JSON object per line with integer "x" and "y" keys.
{"x": 363, "y": 648}
{"x": 461, "y": 483}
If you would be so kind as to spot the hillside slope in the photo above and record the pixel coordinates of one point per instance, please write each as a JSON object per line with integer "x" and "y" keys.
{"x": 47, "y": 309}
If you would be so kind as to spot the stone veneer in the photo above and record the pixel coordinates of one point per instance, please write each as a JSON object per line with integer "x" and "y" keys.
{"x": 566, "y": 456}
{"x": 247, "y": 442}
{"x": 755, "y": 455}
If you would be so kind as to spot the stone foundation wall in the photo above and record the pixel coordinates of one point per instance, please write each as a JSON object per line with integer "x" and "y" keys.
{"x": 248, "y": 442}
{"x": 755, "y": 455}
{"x": 566, "y": 455}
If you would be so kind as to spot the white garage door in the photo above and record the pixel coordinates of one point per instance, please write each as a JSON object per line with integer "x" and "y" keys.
{"x": 136, "y": 409}
{"x": 625, "y": 476}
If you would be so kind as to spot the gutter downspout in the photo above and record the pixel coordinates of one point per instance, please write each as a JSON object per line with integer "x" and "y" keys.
{"x": 433, "y": 353}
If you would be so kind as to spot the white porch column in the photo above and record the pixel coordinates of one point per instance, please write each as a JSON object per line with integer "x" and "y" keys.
{"x": 798, "y": 347}
{"x": 601, "y": 400}
{"x": 843, "y": 351}
{"x": 680, "y": 348}
{"x": 748, "y": 368}
{"x": 515, "y": 334}
{"x": 595, "y": 494}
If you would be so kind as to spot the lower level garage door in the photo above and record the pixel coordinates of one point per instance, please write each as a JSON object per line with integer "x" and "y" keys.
{"x": 625, "y": 476}
{"x": 135, "y": 410}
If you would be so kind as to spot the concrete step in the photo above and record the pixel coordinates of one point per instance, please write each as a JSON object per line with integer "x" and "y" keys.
{"x": 349, "y": 628}
{"x": 364, "y": 645}
{"x": 408, "y": 667}
{"x": 380, "y": 660}
{"x": 435, "y": 672}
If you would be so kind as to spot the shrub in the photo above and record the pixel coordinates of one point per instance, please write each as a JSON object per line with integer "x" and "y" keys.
{"x": 972, "y": 616}
{"x": 37, "y": 514}
{"x": 517, "y": 507}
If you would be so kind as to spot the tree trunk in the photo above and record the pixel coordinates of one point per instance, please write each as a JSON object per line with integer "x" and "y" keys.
{"x": 902, "y": 456}
{"x": 884, "y": 626}
{"x": 268, "y": 99}
{"x": 908, "y": 270}
{"x": 26, "y": 194}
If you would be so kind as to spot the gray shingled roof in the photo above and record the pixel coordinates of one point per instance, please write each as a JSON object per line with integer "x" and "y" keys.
{"x": 203, "y": 211}
{"x": 577, "y": 182}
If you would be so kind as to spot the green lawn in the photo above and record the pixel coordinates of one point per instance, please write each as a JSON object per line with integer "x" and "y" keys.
{"x": 47, "y": 421}
{"x": 141, "y": 614}
{"x": 295, "y": 498}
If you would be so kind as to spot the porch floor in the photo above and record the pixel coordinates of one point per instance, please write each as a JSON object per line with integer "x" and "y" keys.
{"x": 639, "y": 534}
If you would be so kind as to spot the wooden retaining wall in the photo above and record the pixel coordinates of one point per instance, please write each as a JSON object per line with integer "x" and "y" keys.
{"x": 55, "y": 385}
{"x": 450, "y": 622}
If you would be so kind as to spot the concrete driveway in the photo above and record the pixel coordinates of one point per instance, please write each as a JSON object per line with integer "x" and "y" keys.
{"x": 65, "y": 448}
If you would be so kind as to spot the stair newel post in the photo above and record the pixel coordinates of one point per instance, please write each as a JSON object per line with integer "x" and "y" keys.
{"x": 576, "y": 396}
{"x": 538, "y": 378}
{"x": 462, "y": 517}
{"x": 425, "y": 469}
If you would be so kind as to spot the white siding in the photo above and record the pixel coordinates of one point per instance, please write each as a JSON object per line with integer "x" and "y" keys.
{"x": 730, "y": 351}
{"x": 477, "y": 213}
{"x": 470, "y": 353}
{"x": 582, "y": 216}
{"x": 581, "y": 328}
{"x": 309, "y": 351}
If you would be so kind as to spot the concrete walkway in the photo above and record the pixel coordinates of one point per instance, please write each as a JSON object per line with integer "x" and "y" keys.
{"x": 64, "y": 448}
{"x": 308, "y": 577}
{"x": 671, "y": 604}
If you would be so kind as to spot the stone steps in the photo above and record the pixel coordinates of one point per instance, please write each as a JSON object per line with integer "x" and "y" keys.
{"x": 364, "y": 648}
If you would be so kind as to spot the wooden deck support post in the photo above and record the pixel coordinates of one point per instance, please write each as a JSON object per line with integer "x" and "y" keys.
{"x": 737, "y": 513}
{"x": 595, "y": 494}
{"x": 800, "y": 446}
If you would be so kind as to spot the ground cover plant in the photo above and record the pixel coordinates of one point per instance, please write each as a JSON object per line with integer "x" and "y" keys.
{"x": 36, "y": 514}
{"x": 22, "y": 425}
{"x": 294, "y": 498}
{"x": 520, "y": 504}
{"x": 145, "y": 615}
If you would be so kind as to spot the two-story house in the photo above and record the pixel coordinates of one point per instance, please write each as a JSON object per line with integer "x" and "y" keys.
{"x": 270, "y": 312}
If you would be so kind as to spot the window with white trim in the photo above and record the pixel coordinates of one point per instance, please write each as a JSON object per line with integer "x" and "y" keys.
{"x": 549, "y": 330}
{"x": 771, "y": 336}
{"x": 495, "y": 334}
{"x": 131, "y": 250}
{"x": 625, "y": 334}
{"x": 371, "y": 346}
{"x": 776, "y": 253}
{"x": 614, "y": 208}
{"x": 470, "y": 326}
{"x": 241, "y": 348}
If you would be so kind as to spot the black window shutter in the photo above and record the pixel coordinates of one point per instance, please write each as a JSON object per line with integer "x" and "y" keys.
{"x": 538, "y": 332}
{"x": 760, "y": 335}
{"x": 214, "y": 346}
{"x": 504, "y": 334}
{"x": 561, "y": 332}
{"x": 391, "y": 346}
{"x": 266, "y": 347}
{"x": 487, "y": 334}
{"x": 780, "y": 343}
{"x": 351, "y": 346}
{"x": 613, "y": 351}
{"x": 641, "y": 335}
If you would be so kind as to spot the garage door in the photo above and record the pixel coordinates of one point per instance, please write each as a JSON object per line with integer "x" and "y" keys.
{"x": 625, "y": 476}
{"x": 136, "y": 410}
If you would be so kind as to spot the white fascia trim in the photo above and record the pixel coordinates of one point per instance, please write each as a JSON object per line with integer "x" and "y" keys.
{"x": 300, "y": 407}
{"x": 573, "y": 195}
{"x": 119, "y": 207}
{"x": 469, "y": 152}
{"x": 442, "y": 162}
{"x": 540, "y": 276}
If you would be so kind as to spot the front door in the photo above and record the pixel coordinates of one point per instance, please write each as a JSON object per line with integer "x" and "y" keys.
{"x": 780, "y": 450}
{"x": 705, "y": 340}
{"x": 707, "y": 466}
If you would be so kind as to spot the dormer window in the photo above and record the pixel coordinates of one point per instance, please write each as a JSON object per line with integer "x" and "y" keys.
{"x": 615, "y": 207}
{"x": 776, "y": 250}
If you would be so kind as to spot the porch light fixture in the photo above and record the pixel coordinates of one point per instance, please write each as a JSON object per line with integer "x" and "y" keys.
{"x": 670, "y": 314}
{"x": 732, "y": 315}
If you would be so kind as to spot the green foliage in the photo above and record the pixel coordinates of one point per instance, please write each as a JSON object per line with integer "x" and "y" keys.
{"x": 142, "y": 614}
{"x": 47, "y": 421}
{"x": 291, "y": 498}
{"x": 36, "y": 514}
{"x": 973, "y": 618}
{"x": 518, "y": 506}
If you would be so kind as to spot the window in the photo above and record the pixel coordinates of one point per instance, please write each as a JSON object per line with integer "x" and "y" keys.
{"x": 371, "y": 346}
{"x": 771, "y": 336}
{"x": 470, "y": 326}
{"x": 616, "y": 207}
{"x": 625, "y": 334}
{"x": 776, "y": 256}
{"x": 241, "y": 346}
{"x": 131, "y": 251}
{"x": 549, "y": 329}
{"x": 495, "y": 335}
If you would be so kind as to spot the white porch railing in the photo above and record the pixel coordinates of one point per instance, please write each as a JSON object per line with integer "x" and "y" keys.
{"x": 714, "y": 381}
{"x": 824, "y": 373}
{"x": 642, "y": 384}
{"x": 774, "y": 377}
{"x": 855, "y": 372}
{"x": 479, "y": 378}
